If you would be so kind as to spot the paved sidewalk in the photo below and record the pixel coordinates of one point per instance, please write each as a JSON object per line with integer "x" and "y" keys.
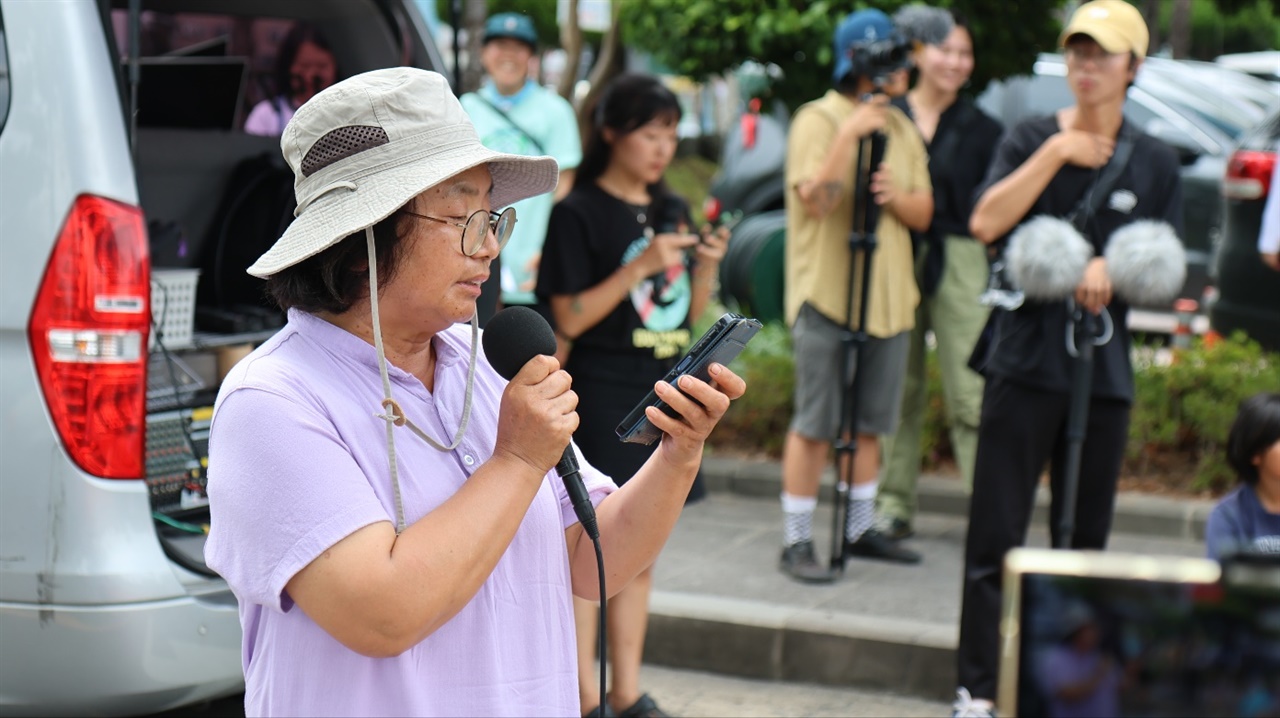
{"x": 721, "y": 605}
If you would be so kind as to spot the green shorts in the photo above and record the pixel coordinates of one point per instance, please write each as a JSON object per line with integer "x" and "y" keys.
{"x": 819, "y": 388}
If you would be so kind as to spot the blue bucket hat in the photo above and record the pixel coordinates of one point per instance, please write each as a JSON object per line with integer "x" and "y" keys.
{"x": 860, "y": 28}
{"x": 512, "y": 25}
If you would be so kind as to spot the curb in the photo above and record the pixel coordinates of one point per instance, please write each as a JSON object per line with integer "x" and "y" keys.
{"x": 1135, "y": 513}
{"x": 753, "y": 639}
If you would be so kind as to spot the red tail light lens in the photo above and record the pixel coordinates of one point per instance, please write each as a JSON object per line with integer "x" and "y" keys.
{"x": 711, "y": 209}
{"x": 88, "y": 335}
{"x": 1249, "y": 175}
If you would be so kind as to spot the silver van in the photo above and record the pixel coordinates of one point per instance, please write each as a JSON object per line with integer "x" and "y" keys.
{"x": 129, "y": 197}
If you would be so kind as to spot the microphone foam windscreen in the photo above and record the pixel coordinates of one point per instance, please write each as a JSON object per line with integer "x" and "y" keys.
{"x": 923, "y": 24}
{"x": 1147, "y": 262}
{"x": 514, "y": 336}
{"x": 1046, "y": 258}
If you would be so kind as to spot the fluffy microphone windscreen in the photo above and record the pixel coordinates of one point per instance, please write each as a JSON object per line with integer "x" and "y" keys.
{"x": 1146, "y": 262}
{"x": 1046, "y": 258}
{"x": 923, "y": 24}
{"x": 514, "y": 336}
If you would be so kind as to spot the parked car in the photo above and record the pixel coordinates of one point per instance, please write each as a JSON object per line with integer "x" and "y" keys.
{"x": 111, "y": 177}
{"x": 1184, "y": 113}
{"x": 1248, "y": 291}
{"x": 1235, "y": 83}
{"x": 1264, "y": 65}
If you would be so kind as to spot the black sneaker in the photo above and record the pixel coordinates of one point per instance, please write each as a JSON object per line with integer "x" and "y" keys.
{"x": 798, "y": 562}
{"x": 874, "y": 544}
{"x": 644, "y": 707}
{"x": 896, "y": 529}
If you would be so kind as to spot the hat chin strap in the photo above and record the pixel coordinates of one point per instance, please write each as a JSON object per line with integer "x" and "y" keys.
{"x": 394, "y": 415}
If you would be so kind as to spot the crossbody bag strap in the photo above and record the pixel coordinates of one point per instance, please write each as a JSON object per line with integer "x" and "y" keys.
{"x": 1098, "y": 192}
{"x": 536, "y": 144}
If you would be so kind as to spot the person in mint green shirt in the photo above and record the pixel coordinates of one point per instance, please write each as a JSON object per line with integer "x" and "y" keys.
{"x": 514, "y": 114}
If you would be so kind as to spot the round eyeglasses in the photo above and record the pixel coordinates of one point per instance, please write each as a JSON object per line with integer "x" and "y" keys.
{"x": 477, "y": 227}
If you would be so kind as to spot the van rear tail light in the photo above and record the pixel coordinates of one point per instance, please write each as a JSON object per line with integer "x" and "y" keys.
{"x": 711, "y": 209}
{"x": 1248, "y": 175}
{"x": 88, "y": 335}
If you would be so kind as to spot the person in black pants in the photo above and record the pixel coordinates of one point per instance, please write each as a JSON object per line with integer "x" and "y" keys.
{"x": 624, "y": 275}
{"x": 1049, "y": 166}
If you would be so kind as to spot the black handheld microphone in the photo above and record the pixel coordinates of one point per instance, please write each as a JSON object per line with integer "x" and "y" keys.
{"x": 512, "y": 337}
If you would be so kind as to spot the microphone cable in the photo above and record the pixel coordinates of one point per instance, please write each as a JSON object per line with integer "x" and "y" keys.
{"x": 600, "y": 629}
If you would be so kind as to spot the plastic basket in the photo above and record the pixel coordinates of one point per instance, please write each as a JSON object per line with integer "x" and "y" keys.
{"x": 173, "y": 307}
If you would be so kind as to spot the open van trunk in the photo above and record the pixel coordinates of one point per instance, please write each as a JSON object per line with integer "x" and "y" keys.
{"x": 215, "y": 198}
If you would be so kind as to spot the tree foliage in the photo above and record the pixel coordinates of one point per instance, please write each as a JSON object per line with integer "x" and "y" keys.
{"x": 699, "y": 38}
{"x": 541, "y": 12}
{"x": 1223, "y": 26}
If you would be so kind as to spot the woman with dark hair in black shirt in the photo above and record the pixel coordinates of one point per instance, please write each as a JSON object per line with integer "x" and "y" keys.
{"x": 624, "y": 277}
{"x": 951, "y": 269}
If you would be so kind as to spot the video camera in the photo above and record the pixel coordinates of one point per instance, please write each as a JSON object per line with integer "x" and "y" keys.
{"x": 877, "y": 60}
{"x": 913, "y": 25}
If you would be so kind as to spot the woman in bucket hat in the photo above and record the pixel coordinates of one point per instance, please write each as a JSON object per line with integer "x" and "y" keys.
{"x": 382, "y": 503}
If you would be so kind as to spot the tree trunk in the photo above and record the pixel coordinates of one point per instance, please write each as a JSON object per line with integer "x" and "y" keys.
{"x": 609, "y": 64}
{"x": 1180, "y": 29}
{"x": 1151, "y": 12}
{"x": 571, "y": 41}
{"x": 474, "y": 13}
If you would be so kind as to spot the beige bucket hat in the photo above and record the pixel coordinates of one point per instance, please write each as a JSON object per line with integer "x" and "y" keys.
{"x": 364, "y": 147}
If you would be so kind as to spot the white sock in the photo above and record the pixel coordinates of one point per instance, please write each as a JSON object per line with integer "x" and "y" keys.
{"x": 797, "y": 518}
{"x": 862, "y": 510}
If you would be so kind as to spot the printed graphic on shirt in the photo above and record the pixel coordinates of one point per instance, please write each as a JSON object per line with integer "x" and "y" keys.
{"x": 662, "y": 301}
{"x": 1266, "y": 544}
{"x": 1122, "y": 200}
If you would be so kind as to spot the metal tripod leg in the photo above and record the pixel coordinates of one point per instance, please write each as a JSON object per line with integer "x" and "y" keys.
{"x": 862, "y": 243}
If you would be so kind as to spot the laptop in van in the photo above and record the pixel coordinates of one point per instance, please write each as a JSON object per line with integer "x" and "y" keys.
{"x": 1107, "y": 634}
{"x": 194, "y": 92}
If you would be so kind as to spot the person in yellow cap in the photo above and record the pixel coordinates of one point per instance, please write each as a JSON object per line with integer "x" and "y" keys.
{"x": 1088, "y": 170}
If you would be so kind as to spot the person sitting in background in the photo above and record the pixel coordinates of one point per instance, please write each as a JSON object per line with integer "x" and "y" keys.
{"x": 304, "y": 66}
{"x": 1248, "y": 518}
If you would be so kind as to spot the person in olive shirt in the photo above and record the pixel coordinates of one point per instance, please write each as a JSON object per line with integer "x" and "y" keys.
{"x": 822, "y": 152}
{"x": 1046, "y": 166}
{"x": 951, "y": 270}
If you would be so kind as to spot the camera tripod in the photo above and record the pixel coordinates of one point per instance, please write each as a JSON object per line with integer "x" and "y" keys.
{"x": 862, "y": 243}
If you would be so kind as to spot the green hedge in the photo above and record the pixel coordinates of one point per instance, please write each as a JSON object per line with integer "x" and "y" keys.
{"x": 1182, "y": 411}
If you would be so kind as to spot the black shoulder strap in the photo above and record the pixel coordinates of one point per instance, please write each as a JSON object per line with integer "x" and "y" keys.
{"x": 536, "y": 144}
{"x": 1101, "y": 188}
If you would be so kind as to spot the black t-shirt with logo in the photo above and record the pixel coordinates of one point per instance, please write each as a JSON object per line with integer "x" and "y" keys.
{"x": 590, "y": 235}
{"x": 1032, "y": 346}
